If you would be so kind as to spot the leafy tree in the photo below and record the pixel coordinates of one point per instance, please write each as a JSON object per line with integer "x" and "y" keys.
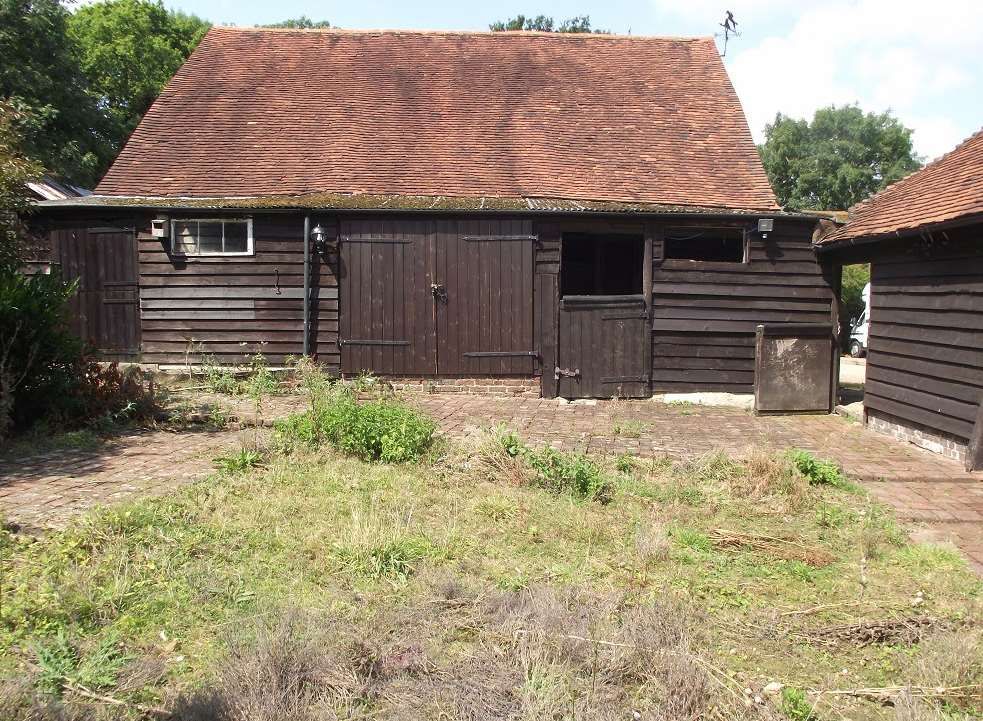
{"x": 15, "y": 172}
{"x": 40, "y": 79}
{"x": 542, "y": 23}
{"x": 855, "y": 277}
{"x": 842, "y": 157}
{"x": 301, "y": 23}
{"x": 128, "y": 50}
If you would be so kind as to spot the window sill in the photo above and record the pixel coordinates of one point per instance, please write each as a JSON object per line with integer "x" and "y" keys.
{"x": 675, "y": 264}
{"x": 185, "y": 257}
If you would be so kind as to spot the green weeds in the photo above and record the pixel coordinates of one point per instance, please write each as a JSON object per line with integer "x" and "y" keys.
{"x": 560, "y": 473}
{"x": 239, "y": 461}
{"x": 388, "y": 431}
{"x": 820, "y": 473}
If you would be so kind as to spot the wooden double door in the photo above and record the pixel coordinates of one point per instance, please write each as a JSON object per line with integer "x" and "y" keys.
{"x": 437, "y": 297}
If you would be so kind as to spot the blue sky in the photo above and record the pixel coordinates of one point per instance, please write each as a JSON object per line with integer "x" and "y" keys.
{"x": 920, "y": 59}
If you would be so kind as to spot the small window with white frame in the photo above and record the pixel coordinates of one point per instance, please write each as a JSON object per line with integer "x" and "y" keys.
{"x": 212, "y": 236}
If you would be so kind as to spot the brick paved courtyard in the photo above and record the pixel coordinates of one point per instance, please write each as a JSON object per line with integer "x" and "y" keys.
{"x": 935, "y": 494}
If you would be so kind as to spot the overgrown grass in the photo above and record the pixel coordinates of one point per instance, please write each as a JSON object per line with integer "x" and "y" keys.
{"x": 321, "y": 586}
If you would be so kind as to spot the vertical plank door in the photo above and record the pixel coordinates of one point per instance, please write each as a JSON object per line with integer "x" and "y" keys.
{"x": 484, "y": 299}
{"x": 603, "y": 347}
{"x": 385, "y": 300}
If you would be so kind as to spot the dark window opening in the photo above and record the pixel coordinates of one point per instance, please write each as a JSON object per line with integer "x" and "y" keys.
{"x": 717, "y": 245}
{"x": 602, "y": 264}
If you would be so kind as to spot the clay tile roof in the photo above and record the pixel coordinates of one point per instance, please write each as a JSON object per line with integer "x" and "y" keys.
{"x": 512, "y": 115}
{"x": 945, "y": 190}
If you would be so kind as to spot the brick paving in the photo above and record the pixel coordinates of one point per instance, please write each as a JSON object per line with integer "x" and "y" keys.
{"x": 936, "y": 495}
{"x": 46, "y": 489}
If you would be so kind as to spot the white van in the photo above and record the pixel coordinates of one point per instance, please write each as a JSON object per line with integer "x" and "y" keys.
{"x": 858, "y": 333}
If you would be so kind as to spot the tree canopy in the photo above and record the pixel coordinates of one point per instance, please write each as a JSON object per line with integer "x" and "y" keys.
{"x": 128, "y": 50}
{"x": 301, "y": 23}
{"x": 80, "y": 82}
{"x": 58, "y": 123}
{"x": 840, "y": 158}
{"x": 543, "y": 23}
{"x": 15, "y": 172}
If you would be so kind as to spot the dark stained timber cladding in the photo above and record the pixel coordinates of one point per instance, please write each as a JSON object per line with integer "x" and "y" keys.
{"x": 234, "y": 307}
{"x": 925, "y": 363}
{"x": 704, "y": 315}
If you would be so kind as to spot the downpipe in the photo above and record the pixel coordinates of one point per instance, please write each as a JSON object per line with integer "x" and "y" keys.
{"x": 307, "y": 284}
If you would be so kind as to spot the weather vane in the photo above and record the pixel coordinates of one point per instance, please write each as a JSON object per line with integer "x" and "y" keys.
{"x": 730, "y": 28}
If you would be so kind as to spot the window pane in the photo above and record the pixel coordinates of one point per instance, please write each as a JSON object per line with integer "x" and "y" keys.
{"x": 185, "y": 241}
{"x": 209, "y": 237}
{"x": 721, "y": 245}
{"x": 235, "y": 238}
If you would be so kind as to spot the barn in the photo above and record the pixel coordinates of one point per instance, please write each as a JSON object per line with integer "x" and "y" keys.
{"x": 923, "y": 237}
{"x": 575, "y": 215}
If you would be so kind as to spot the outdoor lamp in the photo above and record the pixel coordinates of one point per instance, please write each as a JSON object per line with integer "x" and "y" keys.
{"x": 320, "y": 238}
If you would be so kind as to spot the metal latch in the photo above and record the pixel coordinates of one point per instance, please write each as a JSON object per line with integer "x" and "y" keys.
{"x": 565, "y": 372}
{"x": 439, "y": 292}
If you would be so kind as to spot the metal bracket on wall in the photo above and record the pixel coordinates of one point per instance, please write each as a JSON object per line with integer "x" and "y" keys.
{"x": 501, "y": 354}
{"x": 565, "y": 373}
{"x": 372, "y": 342}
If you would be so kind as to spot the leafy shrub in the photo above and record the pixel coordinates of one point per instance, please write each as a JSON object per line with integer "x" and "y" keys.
{"x": 572, "y": 473}
{"x": 381, "y": 430}
{"x": 45, "y": 374}
{"x": 819, "y": 473}
{"x": 111, "y": 393}
{"x": 557, "y": 472}
{"x": 38, "y": 353}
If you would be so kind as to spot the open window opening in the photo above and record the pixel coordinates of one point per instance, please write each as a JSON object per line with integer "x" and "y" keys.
{"x": 601, "y": 264}
{"x": 715, "y": 245}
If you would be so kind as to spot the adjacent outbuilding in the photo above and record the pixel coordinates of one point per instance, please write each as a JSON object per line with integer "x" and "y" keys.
{"x": 583, "y": 214}
{"x": 923, "y": 237}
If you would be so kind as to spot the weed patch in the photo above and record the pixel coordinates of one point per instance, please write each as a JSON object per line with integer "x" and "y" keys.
{"x": 239, "y": 461}
{"x": 820, "y": 473}
{"x": 381, "y": 430}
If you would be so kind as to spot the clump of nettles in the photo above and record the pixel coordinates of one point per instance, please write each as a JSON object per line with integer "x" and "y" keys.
{"x": 385, "y": 430}
{"x": 555, "y": 471}
{"x": 818, "y": 472}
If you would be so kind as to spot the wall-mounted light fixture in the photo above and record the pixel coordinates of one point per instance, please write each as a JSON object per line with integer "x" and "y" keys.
{"x": 321, "y": 240}
{"x": 765, "y": 226}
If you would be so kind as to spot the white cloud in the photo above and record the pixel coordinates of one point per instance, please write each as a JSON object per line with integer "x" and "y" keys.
{"x": 917, "y": 58}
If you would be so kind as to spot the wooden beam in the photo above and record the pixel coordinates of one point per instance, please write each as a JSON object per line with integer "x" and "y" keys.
{"x": 974, "y": 452}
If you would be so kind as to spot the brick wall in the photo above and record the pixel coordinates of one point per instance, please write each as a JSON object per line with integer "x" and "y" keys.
{"x": 930, "y": 440}
{"x": 517, "y": 387}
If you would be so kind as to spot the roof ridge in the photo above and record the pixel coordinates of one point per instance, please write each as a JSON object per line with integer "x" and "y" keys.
{"x": 438, "y": 33}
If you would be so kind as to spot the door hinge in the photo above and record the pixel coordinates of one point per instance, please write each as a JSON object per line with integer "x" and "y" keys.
{"x": 565, "y": 373}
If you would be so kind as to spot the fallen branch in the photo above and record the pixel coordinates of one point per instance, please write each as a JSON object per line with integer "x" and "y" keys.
{"x": 80, "y": 690}
{"x": 864, "y": 633}
{"x": 822, "y": 607}
{"x": 782, "y": 548}
{"x": 934, "y": 693}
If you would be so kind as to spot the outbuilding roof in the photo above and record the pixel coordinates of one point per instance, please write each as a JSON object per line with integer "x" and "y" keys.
{"x": 947, "y": 190}
{"x": 257, "y": 112}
